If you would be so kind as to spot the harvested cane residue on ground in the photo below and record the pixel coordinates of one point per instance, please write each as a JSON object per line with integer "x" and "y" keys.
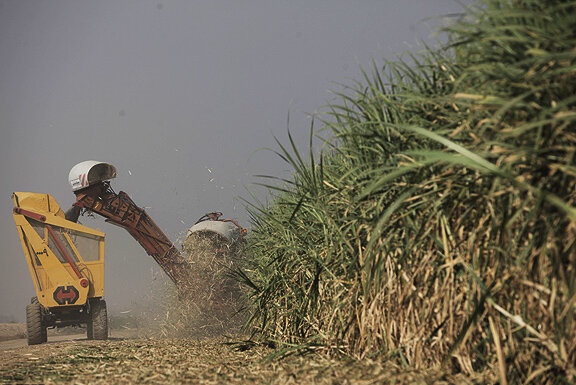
{"x": 186, "y": 361}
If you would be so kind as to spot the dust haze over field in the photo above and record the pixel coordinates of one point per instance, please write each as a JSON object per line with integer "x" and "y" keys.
{"x": 179, "y": 96}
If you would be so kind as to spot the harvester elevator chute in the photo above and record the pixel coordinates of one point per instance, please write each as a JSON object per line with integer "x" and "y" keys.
{"x": 90, "y": 181}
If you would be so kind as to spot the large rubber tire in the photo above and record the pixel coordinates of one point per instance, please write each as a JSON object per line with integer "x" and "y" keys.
{"x": 98, "y": 321}
{"x": 44, "y": 329}
{"x": 90, "y": 330}
{"x": 36, "y": 331}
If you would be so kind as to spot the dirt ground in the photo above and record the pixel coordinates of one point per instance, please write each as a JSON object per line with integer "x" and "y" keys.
{"x": 126, "y": 359}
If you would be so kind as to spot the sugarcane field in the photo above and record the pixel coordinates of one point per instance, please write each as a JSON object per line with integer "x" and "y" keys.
{"x": 424, "y": 232}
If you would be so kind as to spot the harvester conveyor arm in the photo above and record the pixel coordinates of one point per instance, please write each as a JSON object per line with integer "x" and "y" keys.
{"x": 120, "y": 210}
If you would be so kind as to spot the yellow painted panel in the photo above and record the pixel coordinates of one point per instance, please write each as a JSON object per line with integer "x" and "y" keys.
{"x": 57, "y": 282}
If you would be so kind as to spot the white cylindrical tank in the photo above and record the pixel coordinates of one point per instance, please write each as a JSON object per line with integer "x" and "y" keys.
{"x": 90, "y": 172}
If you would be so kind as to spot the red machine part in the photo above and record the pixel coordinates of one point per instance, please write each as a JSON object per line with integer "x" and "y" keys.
{"x": 119, "y": 209}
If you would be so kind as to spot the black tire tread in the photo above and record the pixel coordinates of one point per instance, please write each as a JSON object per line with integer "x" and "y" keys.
{"x": 36, "y": 332}
{"x": 98, "y": 324}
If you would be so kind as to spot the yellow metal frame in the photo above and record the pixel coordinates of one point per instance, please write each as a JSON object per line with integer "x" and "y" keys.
{"x": 56, "y": 281}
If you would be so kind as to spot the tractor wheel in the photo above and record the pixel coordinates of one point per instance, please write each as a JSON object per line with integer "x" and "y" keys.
{"x": 35, "y": 329}
{"x": 98, "y": 321}
{"x": 44, "y": 329}
{"x": 90, "y": 330}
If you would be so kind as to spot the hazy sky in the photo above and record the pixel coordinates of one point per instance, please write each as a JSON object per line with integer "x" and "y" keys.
{"x": 180, "y": 96}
